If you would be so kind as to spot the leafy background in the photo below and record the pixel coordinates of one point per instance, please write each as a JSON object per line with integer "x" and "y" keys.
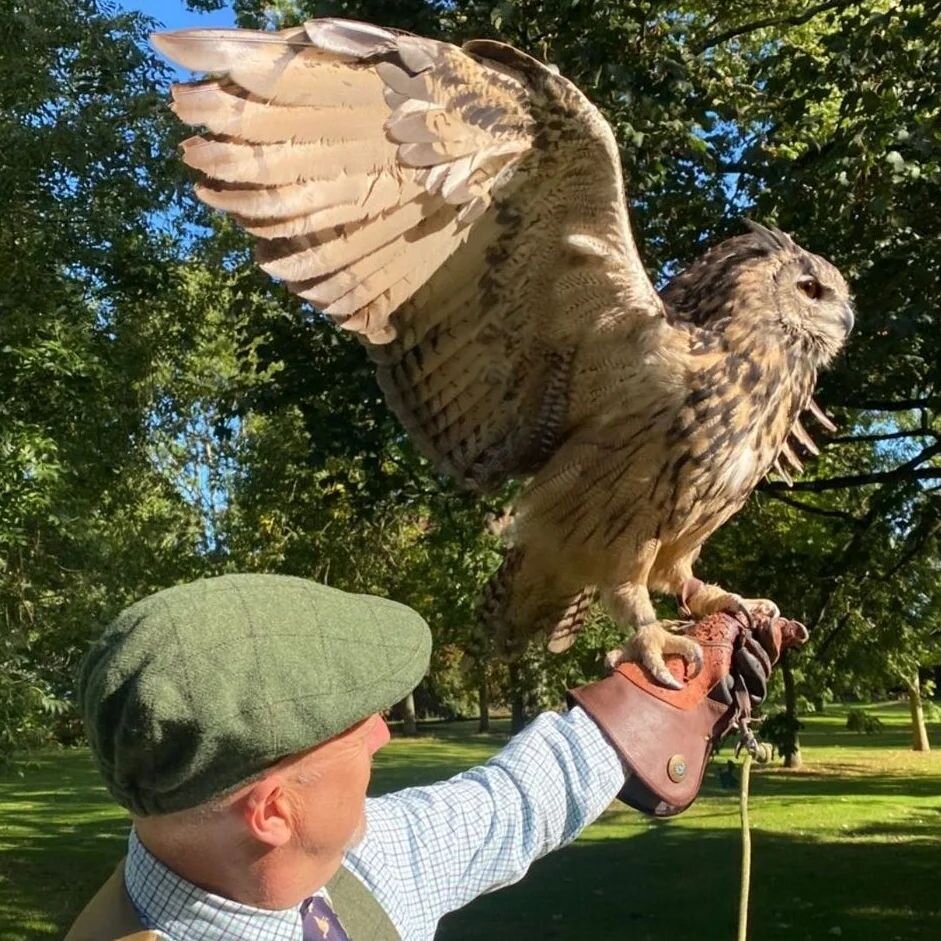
{"x": 167, "y": 413}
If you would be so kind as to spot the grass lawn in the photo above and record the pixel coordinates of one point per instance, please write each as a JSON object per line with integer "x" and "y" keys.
{"x": 850, "y": 846}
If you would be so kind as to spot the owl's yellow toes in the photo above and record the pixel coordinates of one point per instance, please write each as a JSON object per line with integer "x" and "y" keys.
{"x": 651, "y": 644}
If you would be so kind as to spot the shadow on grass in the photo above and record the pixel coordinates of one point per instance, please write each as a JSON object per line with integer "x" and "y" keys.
{"x": 676, "y": 884}
{"x": 845, "y": 781}
{"x": 923, "y": 824}
{"x": 892, "y": 737}
{"x": 61, "y": 836}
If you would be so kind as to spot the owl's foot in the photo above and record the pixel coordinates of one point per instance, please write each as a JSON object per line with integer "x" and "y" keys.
{"x": 749, "y": 608}
{"x": 651, "y": 643}
{"x": 701, "y": 600}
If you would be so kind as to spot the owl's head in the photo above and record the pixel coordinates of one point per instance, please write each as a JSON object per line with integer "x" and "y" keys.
{"x": 764, "y": 281}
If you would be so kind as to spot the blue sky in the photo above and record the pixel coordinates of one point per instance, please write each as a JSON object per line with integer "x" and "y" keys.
{"x": 174, "y": 15}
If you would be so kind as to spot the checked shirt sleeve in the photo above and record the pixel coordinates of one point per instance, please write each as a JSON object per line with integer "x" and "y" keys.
{"x": 430, "y": 850}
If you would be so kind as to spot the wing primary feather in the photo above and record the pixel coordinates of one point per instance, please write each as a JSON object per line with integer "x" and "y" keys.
{"x": 800, "y": 433}
{"x": 321, "y": 252}
{"x": 281, "y": 163}
{"x": 821, "y": 416}
{"x": 792, "y": 459}
{"x": 782, "y": 473}
{"x": 225, "y": 110}
{"x": 329, "y": 216}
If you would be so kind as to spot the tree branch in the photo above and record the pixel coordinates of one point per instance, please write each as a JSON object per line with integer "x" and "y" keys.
{"x": 915, "y": 546}
{"x": 815, "y": 510}
{"x": 796, "y": 20}
{"x": 857, "y": 480}
{"x": 737, "y": 168}
{"x": 886, "y": 436}
{"x": 838, "y": 566}
{"x": 831, "y": 636}
{"x": 911, "y": 470}
{"x": 892, "y": 405}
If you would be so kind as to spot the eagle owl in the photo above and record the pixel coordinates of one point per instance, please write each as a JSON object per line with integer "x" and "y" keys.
{"x": 462, "y": 211}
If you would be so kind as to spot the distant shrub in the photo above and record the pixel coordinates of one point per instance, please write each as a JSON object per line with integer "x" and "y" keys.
{"x": 858, "y": 720}
{"x": 781, "y": 730}
{"x": 932, "y": 710}
{"x": 29, "y": 709}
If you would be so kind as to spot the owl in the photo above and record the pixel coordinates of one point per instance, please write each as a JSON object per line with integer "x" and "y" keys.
{"x": 462, "y": 212}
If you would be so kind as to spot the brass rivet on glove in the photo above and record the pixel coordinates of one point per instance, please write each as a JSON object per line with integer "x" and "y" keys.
{"x": 677, "y": 768}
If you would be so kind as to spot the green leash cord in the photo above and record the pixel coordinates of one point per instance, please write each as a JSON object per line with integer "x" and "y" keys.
{"x": 746, "y": 853}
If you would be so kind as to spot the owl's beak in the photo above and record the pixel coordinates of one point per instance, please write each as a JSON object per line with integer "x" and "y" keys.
{"x": 848, "y": 319}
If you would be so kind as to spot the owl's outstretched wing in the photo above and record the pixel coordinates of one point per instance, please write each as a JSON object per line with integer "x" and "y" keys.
{"x": 462, "y": 210}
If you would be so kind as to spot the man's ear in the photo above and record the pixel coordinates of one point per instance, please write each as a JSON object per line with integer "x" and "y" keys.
{"x": 266, "y": 812}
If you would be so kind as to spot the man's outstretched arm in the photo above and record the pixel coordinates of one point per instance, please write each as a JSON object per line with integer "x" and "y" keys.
{"x": 430, "y": 850}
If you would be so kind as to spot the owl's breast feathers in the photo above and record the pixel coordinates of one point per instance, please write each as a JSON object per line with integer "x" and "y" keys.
{"x": 744, "y": 396}
{"x": 668, "y": 438}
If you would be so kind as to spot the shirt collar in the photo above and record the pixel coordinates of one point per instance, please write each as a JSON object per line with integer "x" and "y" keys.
{"x": 168, "y": 903}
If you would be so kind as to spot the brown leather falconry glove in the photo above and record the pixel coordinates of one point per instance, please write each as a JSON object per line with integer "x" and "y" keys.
{"x": 665, "y": 736}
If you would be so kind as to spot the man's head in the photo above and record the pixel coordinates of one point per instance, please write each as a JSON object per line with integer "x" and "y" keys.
{"x": 247, "y": 707}
{"x": 280, "y": 834}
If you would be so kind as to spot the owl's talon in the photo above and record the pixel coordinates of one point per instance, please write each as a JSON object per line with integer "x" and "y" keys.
{"x": 661, "y": 674}
{"x": 737, "y": 606}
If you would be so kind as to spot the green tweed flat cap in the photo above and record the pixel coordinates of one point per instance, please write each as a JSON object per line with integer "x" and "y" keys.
{"x": 197, "y": 688}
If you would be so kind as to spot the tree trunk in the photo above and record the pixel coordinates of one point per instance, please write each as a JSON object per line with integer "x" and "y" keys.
{"x": 409, "y": 722}
{"x": 517, "y": 700}
{"x": 483, "y": 704}
{"x": 919, "y": 729}
{"x": 792, "y": 759}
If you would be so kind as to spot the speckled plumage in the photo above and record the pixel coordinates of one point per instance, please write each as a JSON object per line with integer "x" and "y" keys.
{"x": 463, "y": 212}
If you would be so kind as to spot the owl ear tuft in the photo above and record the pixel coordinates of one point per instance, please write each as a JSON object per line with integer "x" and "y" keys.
{"x": 773, "y": 239}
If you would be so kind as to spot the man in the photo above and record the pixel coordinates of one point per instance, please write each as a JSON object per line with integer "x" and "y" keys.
{"x": 236, "y": 719}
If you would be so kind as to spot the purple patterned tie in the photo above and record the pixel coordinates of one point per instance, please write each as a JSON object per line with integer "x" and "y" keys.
{"x": 320, "y": 921}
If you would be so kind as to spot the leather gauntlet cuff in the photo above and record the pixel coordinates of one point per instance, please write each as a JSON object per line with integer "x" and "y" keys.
{"x": 665, "y": 747}
{"x": 665, "y": 736}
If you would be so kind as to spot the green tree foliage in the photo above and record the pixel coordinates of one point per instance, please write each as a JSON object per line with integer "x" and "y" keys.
{"x": 821, "y": 117}
{"x": 167, "y": 412}
{"x": 90, "y": 338}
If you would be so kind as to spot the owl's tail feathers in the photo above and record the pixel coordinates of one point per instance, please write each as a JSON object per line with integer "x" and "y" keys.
{"x": 523, "y": 599}
{"x": 566, "y": 629}
{"x": 496, "y": 605}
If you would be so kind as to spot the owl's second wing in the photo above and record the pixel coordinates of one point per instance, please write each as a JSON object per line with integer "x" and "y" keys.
{"x": 462, "y": 210}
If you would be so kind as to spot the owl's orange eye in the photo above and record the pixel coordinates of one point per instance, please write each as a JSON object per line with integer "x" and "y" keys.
{"x": 811, "y": 287}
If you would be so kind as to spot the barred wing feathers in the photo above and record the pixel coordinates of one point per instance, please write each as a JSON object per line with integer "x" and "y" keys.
{"x": 473, "y": 194}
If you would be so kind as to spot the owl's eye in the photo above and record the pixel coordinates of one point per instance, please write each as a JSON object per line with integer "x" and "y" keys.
{"x": 811, "y": 287}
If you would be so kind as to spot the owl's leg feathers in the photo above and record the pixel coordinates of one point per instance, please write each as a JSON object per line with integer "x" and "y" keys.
{"x": 701, "y": 599}
{"x": 529, "y": 595}
{"x": 629, "y": 604}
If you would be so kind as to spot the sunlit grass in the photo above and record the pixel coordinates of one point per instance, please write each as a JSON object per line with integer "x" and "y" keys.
{"x": 849, "y": 844}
